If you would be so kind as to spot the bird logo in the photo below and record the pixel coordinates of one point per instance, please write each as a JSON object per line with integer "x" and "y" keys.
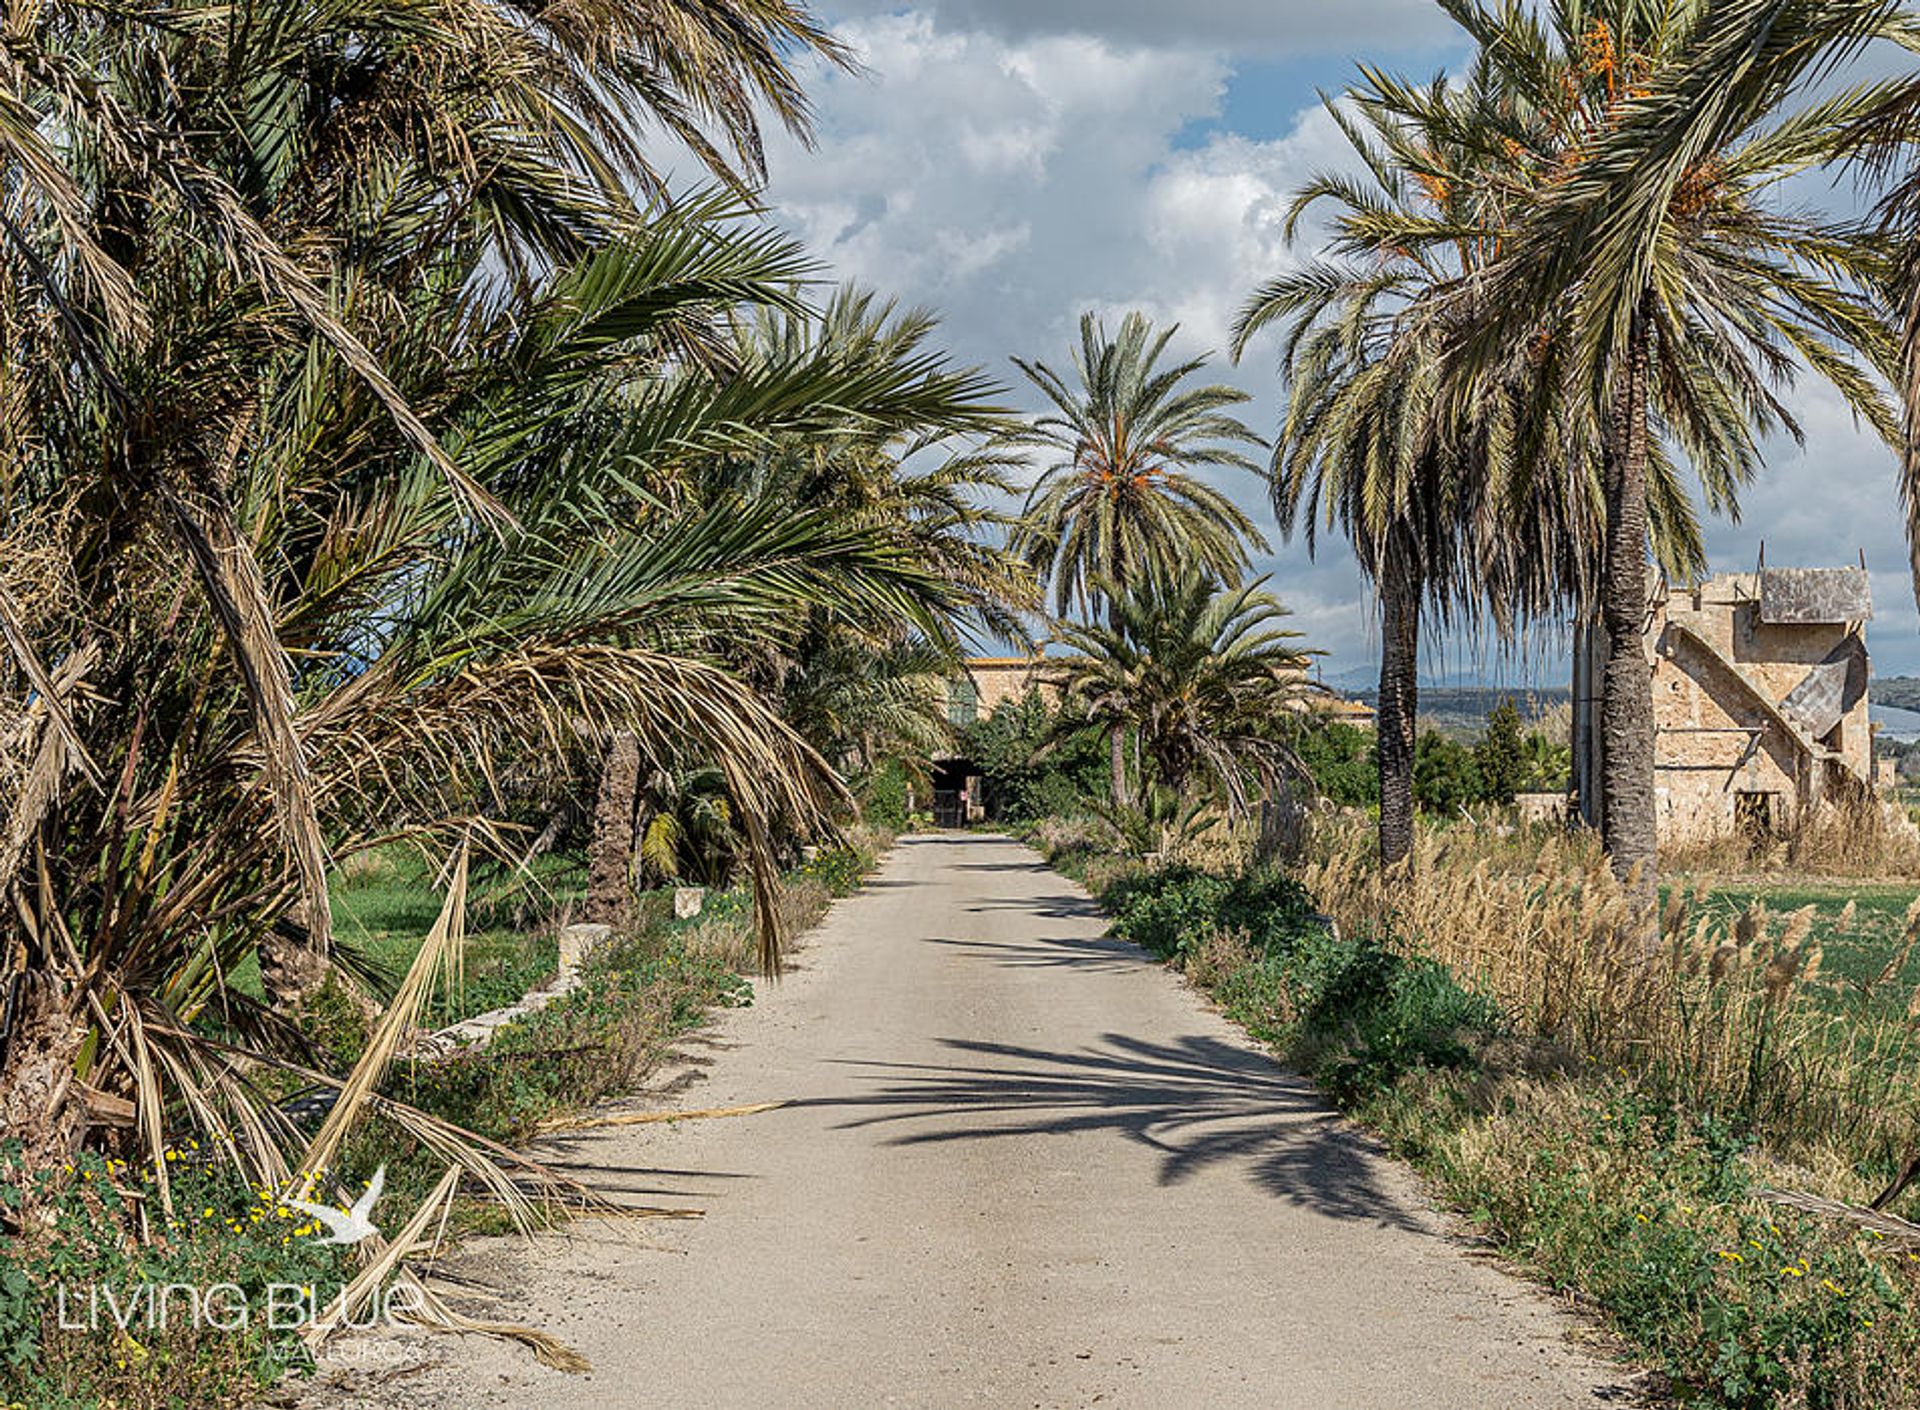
{"x": 353, "y": 1226}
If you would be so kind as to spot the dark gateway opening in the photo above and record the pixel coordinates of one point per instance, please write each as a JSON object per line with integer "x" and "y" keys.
{"x": 957, "y": 791}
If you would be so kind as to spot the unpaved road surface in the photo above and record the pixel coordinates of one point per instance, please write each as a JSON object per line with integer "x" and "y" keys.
{"x": 1021, "y": 1165}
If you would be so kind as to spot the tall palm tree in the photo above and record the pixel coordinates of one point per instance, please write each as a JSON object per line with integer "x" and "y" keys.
{"x": 1692, "y": 340}
{"x": 1747, "y": 67}
{"x": 328, "y": 463}
{"x": 1684, "y": 304}
{"x": 1205, "y": 673}
{"x": 1118, "y": 503}
{"x": 1432, "y": 487}
{"x": 918, "y": 480}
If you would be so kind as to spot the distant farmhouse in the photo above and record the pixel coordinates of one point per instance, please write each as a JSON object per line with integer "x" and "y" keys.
{"x": 992, "y": 681}
{"x": 1759, "y": 700}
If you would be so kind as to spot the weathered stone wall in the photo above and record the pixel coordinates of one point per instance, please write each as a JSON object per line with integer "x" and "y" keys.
{"x": 998, "y": 679}
{"x": 1719, "y": 673}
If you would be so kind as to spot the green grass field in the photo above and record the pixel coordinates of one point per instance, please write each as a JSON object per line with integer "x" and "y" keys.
{"x": 1853, "y": 955}
{"x": 385, "y": 910}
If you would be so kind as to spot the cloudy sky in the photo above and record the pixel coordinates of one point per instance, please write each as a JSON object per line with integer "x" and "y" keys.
{"x": 1013, "y": 163}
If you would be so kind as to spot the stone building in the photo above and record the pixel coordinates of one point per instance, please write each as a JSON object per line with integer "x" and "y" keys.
{"x": 1759, "y": 699}
{"x": 992, "y": 681}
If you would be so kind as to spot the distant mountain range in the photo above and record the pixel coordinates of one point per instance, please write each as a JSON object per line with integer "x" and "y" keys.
{"x": 1361, "y": 681}
{"x": 1462, "y": 709}
{"x": 1896, "y": 692}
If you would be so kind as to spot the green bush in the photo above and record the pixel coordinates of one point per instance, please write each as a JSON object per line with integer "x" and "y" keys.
{"x": 1375, "y": 1013}
{"x": 1159, "y": 911}
{"x": 1343, "y": 760}
{"x": 1446, "y": 776}
{"x": 1171, "y": 911}
{"x": 1367, "y": 1010}
{"x": 839, "y": 869}
{"x": 1500, "y": 755}
{"x": 883, "y": 796}
{"x": 1033, "y": 762}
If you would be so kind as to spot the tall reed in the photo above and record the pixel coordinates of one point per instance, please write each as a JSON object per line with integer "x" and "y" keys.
{"x": 1728, "y": 1013}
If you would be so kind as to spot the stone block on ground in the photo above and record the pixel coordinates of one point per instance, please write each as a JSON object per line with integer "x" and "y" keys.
{"x": 576, "y": 943}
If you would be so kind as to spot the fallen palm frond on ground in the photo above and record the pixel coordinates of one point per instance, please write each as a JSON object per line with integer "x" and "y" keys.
{"x": 637, "y": 994}
{"x": 1865, "y": 1216}
{"x": 650, "y": 1118}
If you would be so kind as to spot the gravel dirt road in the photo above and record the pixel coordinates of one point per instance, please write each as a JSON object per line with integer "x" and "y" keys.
{"x": 1019, "y": 1165}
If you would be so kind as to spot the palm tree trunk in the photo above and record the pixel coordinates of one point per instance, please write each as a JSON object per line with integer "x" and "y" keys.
{"x": 610, "y": 857}
{"x": 1402, "y": 585}
{"x": 38, "y": 1104}
{"x": 1118, "y": 742}
{"x": 1627, "y": 823}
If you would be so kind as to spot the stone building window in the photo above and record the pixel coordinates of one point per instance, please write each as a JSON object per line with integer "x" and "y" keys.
{"x": 963, "y": 701}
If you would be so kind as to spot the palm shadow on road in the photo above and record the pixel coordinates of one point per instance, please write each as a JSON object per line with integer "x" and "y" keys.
{"x": 1197, "y": 1102}
{"x": 1100, "y": 954}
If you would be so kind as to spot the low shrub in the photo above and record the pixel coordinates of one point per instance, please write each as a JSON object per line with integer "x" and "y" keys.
{"x": 1171, "y": 910}
{"x": 90, "y": 1316}
{"x": 1364, "y": 1009}
{"x": 884, "y": 794}
{"x": 839, "y": 869}
{"x": 1652, "y": 1213}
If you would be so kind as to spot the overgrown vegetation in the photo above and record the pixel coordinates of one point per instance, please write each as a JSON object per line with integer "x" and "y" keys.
{"x": 1453, "y": 768}
{"x": 1037, "y": 758}
{"x": 1610, "y": 1116}
{"x": 385, "y": 454}
{"x": 646, "y": 987}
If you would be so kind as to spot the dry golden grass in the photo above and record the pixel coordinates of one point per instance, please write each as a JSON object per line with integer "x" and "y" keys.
{"x": 1859, "y": 839}
{"x": 1215, "y": 844}
{"x": 1717, "y": 1011}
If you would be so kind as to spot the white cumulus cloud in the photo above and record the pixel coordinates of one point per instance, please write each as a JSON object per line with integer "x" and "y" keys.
{"x": 1244, "y": 26}
{"x": 1015, "y": 165}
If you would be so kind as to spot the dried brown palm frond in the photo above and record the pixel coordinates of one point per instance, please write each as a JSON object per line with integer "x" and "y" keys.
{"x": 232, "y": 581}
{"x": 438, "y": 955}
{"x": 49, "y": 695}
{"x": 1889, "y": 1226}
{"x": 46, "y": 759}
{"x": 385, "y": 1273}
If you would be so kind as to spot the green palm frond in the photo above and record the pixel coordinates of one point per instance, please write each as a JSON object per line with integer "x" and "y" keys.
{"x": 1118, "y": 499}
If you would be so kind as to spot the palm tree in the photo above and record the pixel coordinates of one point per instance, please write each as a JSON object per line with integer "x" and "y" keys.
{"x": 346, "y": 385}
{"x": 1684, "y": 301}
{"x": 1204, "y": 673}
{"x": 288, "y": 191}
{"x": 914, "y": 478}
{"x": 1444, "y": 492}
{"x": 1118, "y": 504}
